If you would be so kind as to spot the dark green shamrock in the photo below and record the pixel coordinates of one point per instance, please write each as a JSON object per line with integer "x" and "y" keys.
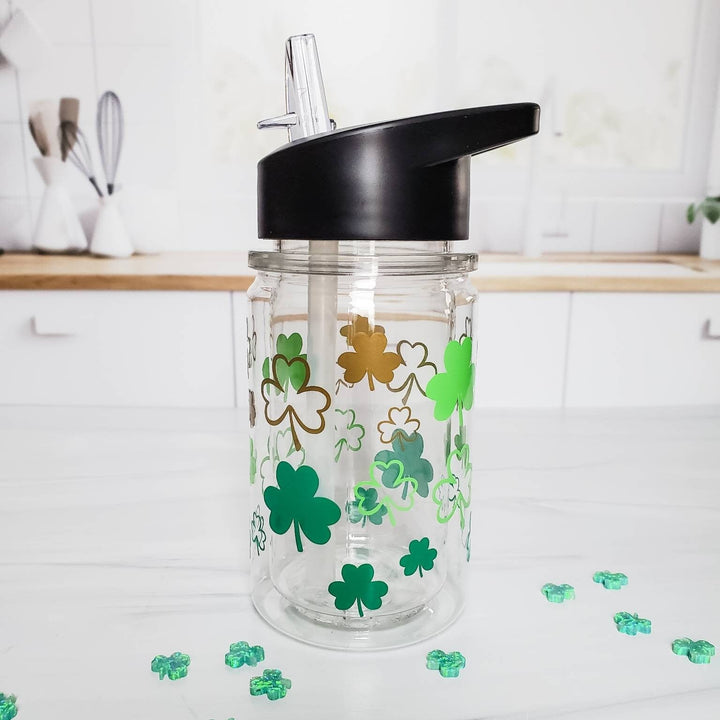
{"x": 174, "y": 666}
{"x": 368, "y": 498}
{"x": 420, "y": 557}
{"x": 358, "y": 586}
{"x": 408, "y": 451}
{"x": 293, "y": 502}
{"x": 289, "y": 348}
{"x": 257, "y": 531}
{"x": 8, "y": 708}
{"x": 271, "y": 683}
{"x": 453, "y": 388}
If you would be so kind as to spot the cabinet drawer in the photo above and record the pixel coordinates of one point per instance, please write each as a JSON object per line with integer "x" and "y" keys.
{"x": 163, "y": 349}
{"x": 644, "y": 349}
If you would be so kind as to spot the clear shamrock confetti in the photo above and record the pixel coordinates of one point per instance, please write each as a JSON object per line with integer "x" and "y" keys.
{"x": 173, "y": 666}
{"x": 449, "y": 664}
{"x": 8, "y": 707}
{"x": 699, "y": 652}
{"x": 558, "y": 593}
{"x": 358, "y": 587}
{"x": 242, "y": 653}
{"x": 632, "y": 624}
{"x": 610, "y": 580}
{"x": 270, "y": 683}
{"x": 420, "y": 557}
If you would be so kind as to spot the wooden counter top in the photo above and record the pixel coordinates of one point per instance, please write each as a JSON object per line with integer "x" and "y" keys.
{"x": 225, "y": 271}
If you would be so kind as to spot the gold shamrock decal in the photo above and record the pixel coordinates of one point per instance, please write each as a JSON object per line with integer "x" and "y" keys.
{"x": 303, "y": 406}
{"x": 359, "y": 324}
{"x": 369, "y": 359}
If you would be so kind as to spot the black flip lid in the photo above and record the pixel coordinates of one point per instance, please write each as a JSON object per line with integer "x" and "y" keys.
{"x": 405, "y": 179}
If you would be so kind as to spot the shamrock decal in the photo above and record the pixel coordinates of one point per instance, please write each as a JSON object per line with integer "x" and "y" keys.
{"x": 408, "y": 451}
{"x": 415, "y": 369}
{"x": 452, "y": 493}
{"x": 359, "y": 324}
{"x": 251, "y": 342}
{"x": 372, "y": 504}
{"x": 289, "y": 348}
{"x": 303, "y": 405}
{"x": 358, "y": 586}
{"x": 293, "y": 502}
{"x": 257, "y": 531}
{"x": 271, "y": 683}
{"x": 242, "y": 653}
{"x": 399, "y": 422}
{"x": 632, "y": 624}
{"x": 252, "y": 412}
{"x": 454, "y": 387}
{"x": 173, "y": 666}
{"x": 350, "y": 433}
{"x": 420, "y": 557}
{"x": 448, "y": 664}
{"x": 253, "y": 462}
{"x": 369, "y": 359}
{"x": 373, "y": 510}
{"x": 699, "y": 652}
{"x": 8, "y": 708}
{"x": 466, "y": 541}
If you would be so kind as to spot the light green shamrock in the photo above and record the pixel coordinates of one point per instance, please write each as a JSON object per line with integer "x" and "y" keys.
{"x": 369, "y": 504}
{"x": 454, "y": 387}
{"x": 452, "y": 494}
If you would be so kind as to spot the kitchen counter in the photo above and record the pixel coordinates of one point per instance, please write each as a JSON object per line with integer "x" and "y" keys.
{"x": 123, "y": 534}
{"x": 226, "y": 271}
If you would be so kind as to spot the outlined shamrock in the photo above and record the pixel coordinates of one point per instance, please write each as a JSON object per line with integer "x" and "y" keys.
{"x": 369, "y": 358}
{"x": 420, "y": 557}
{"x": 558, "y": 593}
{"x": 467, "y": 331}
{"x": 257, "y": 531}
{"x": 173, "y": 666}
{"x": 358, "y": 587}
{"x": 453, "y": 493}
{"x": 8, "y": 708}
{"x": 242, "y": 653}
{"x": 399, "y": 422}
{"x": 408, "y": 451}
{"x": 374, "y": 511}
{"x": 289, "y": 348}
{"x": 271, "y": 683}
{"x": 632, "y": 624}
{"x": 293, "y": 503}
{"x": 611, "y": 581}
{"x": 414, "y": 370}
{"x": 449, "y": 664}
{"x": 466, "y": 541}
{"x": 359, "y": 324}
{"x": 385, "y": 500}
{"x": 699, "y": 652}
{"x": 350, "y": 433}
{"x": 303, "y": 405}
{"x": 454, "y": 387}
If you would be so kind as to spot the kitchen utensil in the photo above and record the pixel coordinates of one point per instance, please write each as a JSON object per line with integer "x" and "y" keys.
{"x": 363, "y": 371}
{"x": 69, "y": 112}
{"x": 110, "y": 127}
{"x": 44, "y": 116}
{"x": 38, "y": 135}
{"x": 75, "y": 147}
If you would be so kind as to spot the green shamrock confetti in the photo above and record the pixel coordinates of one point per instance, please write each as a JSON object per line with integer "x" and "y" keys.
{"x": 372, "y": 504}
{"x": 408, "y": 451}
{"x": 293, "y": 502}
{"x": 173, "y": 666}
{"x": 699, "y": 652}
{"x": 609, "y": 580}
{"x": 8, "y": 708}
{"x": 449, "y": 664}
{"x": 258, "y": 535}
{"x": 348, "y": 432}
{"x": 420, "y": 557}
{"x": 358, "y": 586}
{"x": 271, "y": 683}
{"x": 374, "y": 510}
{"x": 453, "y": 492}
{"x": 289, "y": 348}
{"x": 632, "y": 624}
{"x": 558, "y": 593}
{"x": 453, "y": 388}
{"x": 242, "y": 653}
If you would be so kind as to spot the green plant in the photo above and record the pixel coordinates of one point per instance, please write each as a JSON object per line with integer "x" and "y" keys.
{"x": 709, "y": 208}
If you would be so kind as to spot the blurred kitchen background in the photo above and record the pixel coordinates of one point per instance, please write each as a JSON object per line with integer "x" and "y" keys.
{"x": 629, "y": 85}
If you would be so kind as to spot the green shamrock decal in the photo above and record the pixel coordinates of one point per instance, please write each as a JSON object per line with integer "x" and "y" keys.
{"x": 453, "y": 388}
{"x": 289, "y": 348}
{"x": 372, "y": 504}
{"x": 420, "y": 557}
{"x": 348, "y": 432}
{"x": 408, "y": 451}
{"x": 452, "y": 493}
{"x": 253, "y": 462}
{"x": 257, "y": 531}
{"x": 293, "y": 502}
{"x": 374, "y": 510}
{"x": 358, "y": 586}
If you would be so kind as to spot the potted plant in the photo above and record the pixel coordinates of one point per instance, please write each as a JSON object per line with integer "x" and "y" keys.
{"x": 709, "y": 209}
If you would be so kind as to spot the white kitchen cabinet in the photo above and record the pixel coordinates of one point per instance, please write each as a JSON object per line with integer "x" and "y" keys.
{"x": 171, "y": 349}
{"x": 644, "y": 349}
{"x": 521, "y": 347}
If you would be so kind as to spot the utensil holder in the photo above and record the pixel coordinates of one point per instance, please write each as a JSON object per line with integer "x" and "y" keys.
{"x": 110, "y": 238}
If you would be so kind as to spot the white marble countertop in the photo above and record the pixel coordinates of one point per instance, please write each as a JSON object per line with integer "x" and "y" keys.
{"x": 123, "y": 535}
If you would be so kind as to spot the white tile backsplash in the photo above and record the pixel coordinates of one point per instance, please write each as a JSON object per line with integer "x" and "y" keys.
{"x": 149, "y": 155}
{"x": 626, "y": 227}
{"x": 15, "y": 225}
{"x": 496, "y": 225}
{"x": 9, "y": 108}
{"x": 134, "y": 22}
{"x": 12, "y": 163}
{"x": 676, "y": 234}
{"x": 60, "y": 21}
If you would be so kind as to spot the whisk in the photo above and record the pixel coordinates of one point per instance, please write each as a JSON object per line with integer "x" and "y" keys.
{"x": 74, "y": 145}
{"x": 110, "y": 128}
